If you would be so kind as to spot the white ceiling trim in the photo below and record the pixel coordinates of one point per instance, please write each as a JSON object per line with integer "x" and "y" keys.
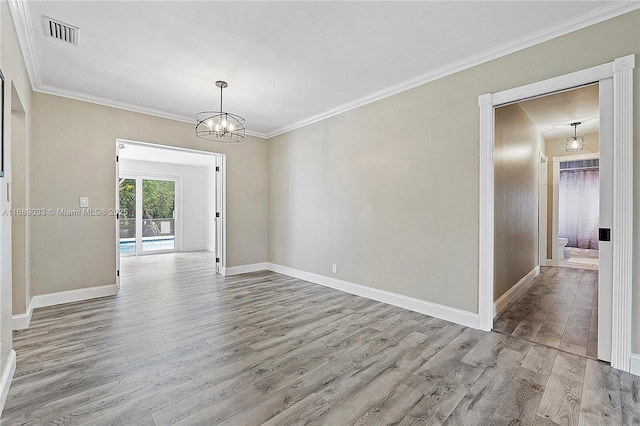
{"x": 582, "y": 21}
{"x": 20, "y": 14}
{"x": 124, "y": 106}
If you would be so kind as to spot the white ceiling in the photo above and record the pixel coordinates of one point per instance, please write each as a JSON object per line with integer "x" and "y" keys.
{"x": 553, "y": 114}
{"x": 286, "y": 62}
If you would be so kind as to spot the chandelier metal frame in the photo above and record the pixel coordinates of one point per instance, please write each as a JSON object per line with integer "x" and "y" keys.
{"x": 220, "y": 126}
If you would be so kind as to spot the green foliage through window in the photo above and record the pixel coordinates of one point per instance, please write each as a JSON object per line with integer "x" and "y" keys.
{"x": 128, "y": 198}
{"x": 158, "y": 198}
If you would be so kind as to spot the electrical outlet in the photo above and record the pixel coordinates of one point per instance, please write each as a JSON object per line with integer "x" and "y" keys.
{"x": 334, "y": 268}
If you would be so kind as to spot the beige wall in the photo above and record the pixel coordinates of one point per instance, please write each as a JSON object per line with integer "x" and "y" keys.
{"x": 557, "y": 148}
{"x": 389, "y": 191}
{"x": 74, "y": 155}
{"x": 516, "y": 159}
{"x": 381, "y": 192}
{"x": 20, "y": 285}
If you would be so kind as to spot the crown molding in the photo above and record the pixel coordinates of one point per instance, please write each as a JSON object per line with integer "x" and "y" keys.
{"x": 70, "y": 94}
{"x": 49, "y": 90}
{"x": 611, "y": 10}
{"x": 20, "y": 13}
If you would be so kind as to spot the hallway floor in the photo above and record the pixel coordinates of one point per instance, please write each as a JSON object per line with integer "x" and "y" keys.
{"x": 558, "y": 309}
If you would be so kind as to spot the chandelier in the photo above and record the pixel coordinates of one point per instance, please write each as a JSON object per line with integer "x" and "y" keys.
{"x": 220, "y": 126}
{"x": 575, "y": 143}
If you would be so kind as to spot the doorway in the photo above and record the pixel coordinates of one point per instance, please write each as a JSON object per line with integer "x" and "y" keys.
{"x": 170, "y": 200}
{"x": 539, "y": 303}
{"x": 617, "y": 78}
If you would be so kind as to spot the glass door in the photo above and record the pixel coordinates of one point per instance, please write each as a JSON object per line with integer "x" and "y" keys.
{"x": 147, "y": 215}
{"x": 158, "y": 215}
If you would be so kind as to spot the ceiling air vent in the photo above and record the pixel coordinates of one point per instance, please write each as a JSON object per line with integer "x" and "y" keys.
{"x": 61, "y": 31}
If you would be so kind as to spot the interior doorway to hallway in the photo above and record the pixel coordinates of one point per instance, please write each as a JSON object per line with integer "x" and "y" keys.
{"x": 556, "y": 308}
{"x": 170, "y": 200}
{"x": 616, "y": 83}
{"x": 571, "y": 176}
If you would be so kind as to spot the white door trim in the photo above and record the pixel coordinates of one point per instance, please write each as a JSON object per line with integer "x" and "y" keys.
{"x": 117, "y": 188}
{"x": 621, "y": 70}
{"x": 217, "y": 159}
{"x": 542, "y": 208}
{"x": 221, "y": 206}
{"x": 622, "y": 231}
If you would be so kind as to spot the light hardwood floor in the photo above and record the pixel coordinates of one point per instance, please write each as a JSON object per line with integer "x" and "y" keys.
{"x": 182, "y": 345}
{"x": 558, "y": 309}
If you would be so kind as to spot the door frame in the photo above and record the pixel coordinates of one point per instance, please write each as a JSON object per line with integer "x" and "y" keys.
{"x": 218, "y": 161}
{"x": 542, "y": 207}
{"x": 621, "y": 70}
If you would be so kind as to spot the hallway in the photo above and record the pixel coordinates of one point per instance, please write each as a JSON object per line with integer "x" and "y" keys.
{"x": 558, "y": 309}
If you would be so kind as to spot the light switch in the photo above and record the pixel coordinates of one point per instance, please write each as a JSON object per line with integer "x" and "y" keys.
{"x": 84, "y": 201}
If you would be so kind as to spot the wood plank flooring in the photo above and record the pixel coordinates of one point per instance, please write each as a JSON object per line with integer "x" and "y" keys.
{"x": 558, "y": 309}
{"x": 180, "y": 345}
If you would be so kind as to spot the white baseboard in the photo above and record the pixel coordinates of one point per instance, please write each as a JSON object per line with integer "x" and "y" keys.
{"x": 458, "y": 316}
{"x": 194, "y": 248}
{"x": 510, "y": 294}
{"x": 243, "y": 269}
{"x": 74, "y": 295}
{"x": 635, "y": 364}
{"x": 21, "y": 321}
{"x": 550, "y": 262}
{"x": 7, "y": 377}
